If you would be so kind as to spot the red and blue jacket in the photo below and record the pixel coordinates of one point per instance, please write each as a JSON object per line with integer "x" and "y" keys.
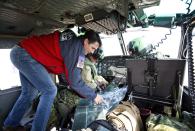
{"x": 60, "y": 57}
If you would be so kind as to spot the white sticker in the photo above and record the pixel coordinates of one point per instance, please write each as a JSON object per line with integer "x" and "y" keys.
{"x": 80, "y": 62}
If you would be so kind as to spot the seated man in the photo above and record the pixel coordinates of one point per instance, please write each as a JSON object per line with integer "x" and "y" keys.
{"x": 89, "y": 71}
{"x": 137, "y": 48}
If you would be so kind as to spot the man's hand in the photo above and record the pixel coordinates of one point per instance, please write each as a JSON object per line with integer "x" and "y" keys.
{"x": 103, "y": 85}
{"x": 98, "y": 99}
{"x": 101, "y": 82}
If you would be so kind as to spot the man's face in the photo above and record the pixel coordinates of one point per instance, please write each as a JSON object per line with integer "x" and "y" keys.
{"x": 90, "y": 48}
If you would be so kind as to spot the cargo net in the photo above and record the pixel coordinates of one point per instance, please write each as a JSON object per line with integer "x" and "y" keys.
{"x": 107, "y": 26}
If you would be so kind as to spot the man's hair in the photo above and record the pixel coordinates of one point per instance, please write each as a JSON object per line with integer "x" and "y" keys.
{"x": 92, "y": 36}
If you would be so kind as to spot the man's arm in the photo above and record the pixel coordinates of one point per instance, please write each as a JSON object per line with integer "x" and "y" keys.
{"x": 78, "y": 85}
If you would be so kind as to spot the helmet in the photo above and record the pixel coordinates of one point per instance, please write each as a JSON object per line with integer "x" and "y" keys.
{"x": 135, "y": 46}
{"x": 98, "y": 54}
{"x": 131, "y": 47}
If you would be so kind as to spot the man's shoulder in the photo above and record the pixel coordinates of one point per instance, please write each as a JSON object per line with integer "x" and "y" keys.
{"x": 76, "y": 42}
{"x": 87, "y": 67}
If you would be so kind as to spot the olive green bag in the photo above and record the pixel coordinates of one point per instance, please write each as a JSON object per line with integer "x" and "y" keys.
{"x": 159, "y": 122}
{"x": 63, "y": 108}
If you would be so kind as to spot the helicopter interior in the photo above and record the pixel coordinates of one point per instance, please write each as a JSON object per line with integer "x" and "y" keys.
{"x": 20, "y": 19}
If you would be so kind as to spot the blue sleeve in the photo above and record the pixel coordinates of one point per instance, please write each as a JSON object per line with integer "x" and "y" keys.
{"x": 78, "y": 85}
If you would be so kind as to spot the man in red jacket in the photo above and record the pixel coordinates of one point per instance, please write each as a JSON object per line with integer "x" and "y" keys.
{"x": 35, "y": 58}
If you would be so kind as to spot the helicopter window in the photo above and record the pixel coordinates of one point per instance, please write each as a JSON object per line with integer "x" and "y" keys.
{"x": 111, "y": 45}
{"x": 165, "y": 47}
{"x": 9, "y": 76}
